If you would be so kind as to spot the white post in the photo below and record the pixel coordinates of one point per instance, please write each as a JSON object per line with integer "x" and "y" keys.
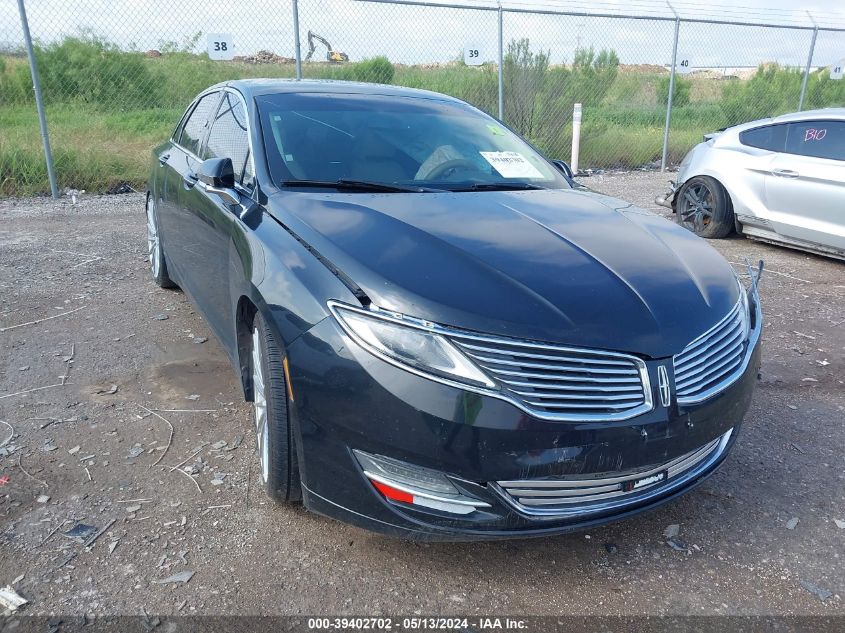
{"x": 576, "y": 137}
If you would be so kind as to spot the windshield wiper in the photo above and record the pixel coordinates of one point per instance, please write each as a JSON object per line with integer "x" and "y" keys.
{"x": 357, "y": 185}
{"x": 499, "y": 186}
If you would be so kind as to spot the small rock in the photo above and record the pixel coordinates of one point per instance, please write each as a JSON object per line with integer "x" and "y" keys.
{"x": 218, "y": 445}
{"x": 672, "y": 530}
{"x": 199, "y": 340}
{"x": 611, "y": 548}
{"x": 839, "y": 523}
{"x": 792, "y": 523}
{"x": 43, "y": 498}
{"x": 80, "y": 532}
{"x": 24, "y": 368}
{"x": 820, "y": 592}
{"x": 456, "y": 598}
{"x": 48, "y": 447}
{"x": 216, "y": 482}
{"x": 792, "y": 406}
{"x": 161, "y": 317}
{"x": 74, "y": 450}
{"x": 677, "y": 544}
{"x": 193, "y": 396}
{"x": 132, "y": 509}
{"x": 135, "y": 451}
{"x": 181, "y": 577}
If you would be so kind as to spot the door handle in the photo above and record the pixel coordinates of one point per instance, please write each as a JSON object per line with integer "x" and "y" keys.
{"x": 785, "y": 173}
{"x": 190, "y": 179}
{"x": 162, "y": 160}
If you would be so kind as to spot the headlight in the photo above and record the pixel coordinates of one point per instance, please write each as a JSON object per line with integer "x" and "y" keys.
{"x": 745, "y": 310}
{"x": 409, "y": 345}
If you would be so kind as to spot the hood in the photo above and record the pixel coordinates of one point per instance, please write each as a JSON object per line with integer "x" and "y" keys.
{"x": 564, "y": 266}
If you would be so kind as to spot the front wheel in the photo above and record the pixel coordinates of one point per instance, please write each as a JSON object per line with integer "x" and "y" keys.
{"x": 704, "y": 207}
{"x": 158, "y": 264}
{"x": 276, "y": 450}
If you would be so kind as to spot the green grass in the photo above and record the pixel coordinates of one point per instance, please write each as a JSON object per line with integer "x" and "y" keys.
{"x": 108, "y": 108}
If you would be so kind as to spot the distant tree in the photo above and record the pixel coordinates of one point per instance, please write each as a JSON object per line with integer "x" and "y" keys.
{"x": 680, "y": 91}
{"x": 376, "y": 70}
{"x": 525, "y": 75}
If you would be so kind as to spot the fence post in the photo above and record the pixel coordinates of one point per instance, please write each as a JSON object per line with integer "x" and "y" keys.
{"x": 39, "y": 102}
{"x": 576, "y": 138}
{"x": 671, "y": 93}
{"x": 501, "y": 70}
{"x": 807, "y": 69}
{"x": 297, "y": 51}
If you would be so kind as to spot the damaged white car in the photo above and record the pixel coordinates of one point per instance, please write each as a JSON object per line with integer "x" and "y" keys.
{"x": 777, "y": 180}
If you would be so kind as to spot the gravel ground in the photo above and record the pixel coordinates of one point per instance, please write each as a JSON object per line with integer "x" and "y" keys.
{"x": 84, "y": 448}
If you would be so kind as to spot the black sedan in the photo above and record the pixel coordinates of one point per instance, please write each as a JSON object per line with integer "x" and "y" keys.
{"x": 443, "y": 336}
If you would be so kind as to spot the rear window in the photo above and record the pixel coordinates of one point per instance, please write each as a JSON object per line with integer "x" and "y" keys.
{"x": 769, "y": 137}
{"x": 197, "y": 123}
{"x": 819, "y": 139}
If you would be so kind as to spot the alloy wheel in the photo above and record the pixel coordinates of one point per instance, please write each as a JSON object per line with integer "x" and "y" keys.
{"x": 696, "y": 208}
{"x": 259, "y": 397}
{"x": 153, "y": 246}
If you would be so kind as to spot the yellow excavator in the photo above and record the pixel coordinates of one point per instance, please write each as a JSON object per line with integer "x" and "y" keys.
{"x": 332, "y": 55}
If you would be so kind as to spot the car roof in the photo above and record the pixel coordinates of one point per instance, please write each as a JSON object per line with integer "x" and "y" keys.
{"x": 256, "y": 87}
{"x": 806, "y": 115}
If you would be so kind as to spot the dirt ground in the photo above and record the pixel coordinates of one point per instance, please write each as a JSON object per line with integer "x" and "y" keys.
{"x": 84, "y": 448}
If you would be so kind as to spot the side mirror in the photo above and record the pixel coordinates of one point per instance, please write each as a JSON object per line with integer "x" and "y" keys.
{"x": 218, "y": 176}
{"x": 564, "y": 168}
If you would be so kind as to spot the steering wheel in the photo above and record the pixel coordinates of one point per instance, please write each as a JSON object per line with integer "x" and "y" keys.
{"x": 455, "y": 163}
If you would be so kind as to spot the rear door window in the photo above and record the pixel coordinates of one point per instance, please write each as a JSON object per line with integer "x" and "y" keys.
{"x": 195, "y": 127}
{"x": 819, "y": 139}
{"x": 228, "y": 137}
{"x": 769, "y": 137}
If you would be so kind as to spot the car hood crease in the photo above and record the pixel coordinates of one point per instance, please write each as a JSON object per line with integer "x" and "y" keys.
{"x": 569, "y": 267}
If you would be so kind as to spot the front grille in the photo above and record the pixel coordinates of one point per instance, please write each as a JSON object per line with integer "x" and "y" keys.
{"x": 556, "y": 382}
{"x": 578, "y": 495}
{"x": 711, "y": 361}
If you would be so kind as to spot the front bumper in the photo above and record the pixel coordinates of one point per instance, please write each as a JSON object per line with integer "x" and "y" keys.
{"x": 347, "y": 399}
{"x": 668, "y": 199}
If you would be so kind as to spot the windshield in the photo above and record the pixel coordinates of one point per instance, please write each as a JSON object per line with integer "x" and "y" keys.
{"x": 405, "y": 141}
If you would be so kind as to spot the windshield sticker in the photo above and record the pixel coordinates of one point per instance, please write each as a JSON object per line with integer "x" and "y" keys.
{"x": 495, "y": 129}
{"x": 511, "y": 165}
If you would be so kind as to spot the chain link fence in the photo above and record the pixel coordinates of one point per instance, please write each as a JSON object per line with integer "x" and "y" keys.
{"x": 116, "y": 74}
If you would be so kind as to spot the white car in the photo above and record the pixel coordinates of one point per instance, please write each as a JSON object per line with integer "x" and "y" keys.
{"x": 777, "y": 180}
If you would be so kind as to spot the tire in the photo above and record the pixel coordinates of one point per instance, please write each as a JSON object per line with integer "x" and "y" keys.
{"x": 155, "y": 252}
{"x": 704, "y": 207}
{"x": 279, "y": 467}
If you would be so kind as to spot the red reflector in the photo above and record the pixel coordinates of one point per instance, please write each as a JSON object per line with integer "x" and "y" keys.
{"x": 393, "y": 493}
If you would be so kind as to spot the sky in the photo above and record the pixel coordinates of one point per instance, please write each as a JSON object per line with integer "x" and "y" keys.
{"x": 414, "y": 34}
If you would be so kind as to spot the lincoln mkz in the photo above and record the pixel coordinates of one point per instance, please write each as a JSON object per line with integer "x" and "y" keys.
{"x": 442, "y": 335}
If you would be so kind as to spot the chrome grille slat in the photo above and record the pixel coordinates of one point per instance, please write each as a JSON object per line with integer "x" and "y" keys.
{"x": 634, "y": 387}
{"x": 711, "y": 361}
{"x": 610, "y": 381}
{"x": 726, "y": 343}
{"x": 579, "y": 396}
{"x": 560, "y": 367}
{"x": 556, "y": 406}
{"x": 702, "y": 385}
{"x": 582, "y": 495}
{"x": 573, "y": 359}
{"x": 561, "y": 382}
{"x": 717, "y": 364}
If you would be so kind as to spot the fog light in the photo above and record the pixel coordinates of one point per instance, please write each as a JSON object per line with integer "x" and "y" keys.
{"x": 415, "y": 485}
